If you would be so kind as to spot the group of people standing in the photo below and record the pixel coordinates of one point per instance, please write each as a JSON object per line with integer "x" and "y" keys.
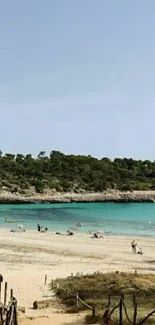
{"x": 40, "y": 228}
{"x": 134, "y": 248}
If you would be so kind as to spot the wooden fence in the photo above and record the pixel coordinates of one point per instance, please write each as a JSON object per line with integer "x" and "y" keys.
{"x": 77, "y": 298}
{"x": 107, "y": 316}
{"x": 8, "y": 311}
{"x": 108, "y": 313}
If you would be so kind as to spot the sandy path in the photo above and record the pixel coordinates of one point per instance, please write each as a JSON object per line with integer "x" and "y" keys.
{"x": 54, "y": 319}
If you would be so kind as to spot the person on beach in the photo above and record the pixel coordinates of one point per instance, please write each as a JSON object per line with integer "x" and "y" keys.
{"x": 38, "y": 226}
{"x": 140, "y": 251}
{"x": 133, "y": 245}
{"x": 20, "y": 228}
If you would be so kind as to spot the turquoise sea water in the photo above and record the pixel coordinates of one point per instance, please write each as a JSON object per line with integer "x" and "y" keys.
{"x": 137, "y": 219}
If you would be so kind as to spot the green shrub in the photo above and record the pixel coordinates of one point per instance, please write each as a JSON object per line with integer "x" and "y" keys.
{"x": 64, "y": 172}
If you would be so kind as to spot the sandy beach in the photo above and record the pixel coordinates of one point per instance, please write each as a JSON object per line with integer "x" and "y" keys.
{"x": 26, "y": 257}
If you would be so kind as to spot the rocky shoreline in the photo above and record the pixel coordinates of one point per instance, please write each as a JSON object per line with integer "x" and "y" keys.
{"x": 50, "y": 197}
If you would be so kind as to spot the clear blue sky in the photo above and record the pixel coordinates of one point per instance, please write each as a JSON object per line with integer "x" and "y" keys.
{"x": 78, "y": 76}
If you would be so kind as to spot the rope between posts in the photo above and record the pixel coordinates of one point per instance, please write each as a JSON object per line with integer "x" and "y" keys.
{"x": 74, "y": 295}
{"x": 126, "y": 313}
{"x": 45, "y": 297}
{"x": 68, "y": 292}
{"x": 42, "y": 290}
{"x": 84, "y": 303}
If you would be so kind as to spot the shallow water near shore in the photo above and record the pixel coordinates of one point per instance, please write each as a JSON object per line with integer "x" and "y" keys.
{"x": 137, "y": 219}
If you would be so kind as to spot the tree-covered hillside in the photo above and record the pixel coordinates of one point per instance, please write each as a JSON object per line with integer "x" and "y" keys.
{"x": 73, "y": 173}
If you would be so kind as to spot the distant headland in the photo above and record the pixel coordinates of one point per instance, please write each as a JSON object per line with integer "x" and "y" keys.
{"x": 74, "y": 178}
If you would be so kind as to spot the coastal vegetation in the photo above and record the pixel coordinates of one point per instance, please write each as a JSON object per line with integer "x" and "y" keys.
{"x": 66, "y": 173}
{"x": 95, "y": 290}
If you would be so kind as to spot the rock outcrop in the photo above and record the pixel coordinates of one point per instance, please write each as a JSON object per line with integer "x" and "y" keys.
{"x": 55, "y": 197}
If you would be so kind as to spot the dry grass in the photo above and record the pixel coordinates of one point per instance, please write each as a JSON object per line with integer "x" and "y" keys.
{"x": 95, "y": 289}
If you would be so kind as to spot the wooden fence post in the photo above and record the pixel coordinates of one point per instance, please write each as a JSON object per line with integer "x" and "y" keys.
{"x": 15, "y": 314}
{"x": 0, "y": 291}
{"x": 11, "y": 294}
{"x": 135, "y": 309}
{"x": 93, "y": 312}
{"x": 5, "y": 293}
{"x": 1, "y": 315}
{"x": 121, "y": 310}
{"x": 108, "y": 308}
{"x": 1, "y": 280}
{"x": 45, "y": 279}
{"x": 106, "y": 317}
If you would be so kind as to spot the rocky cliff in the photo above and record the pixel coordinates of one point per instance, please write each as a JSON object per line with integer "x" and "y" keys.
{"x": 55, "y": 197}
